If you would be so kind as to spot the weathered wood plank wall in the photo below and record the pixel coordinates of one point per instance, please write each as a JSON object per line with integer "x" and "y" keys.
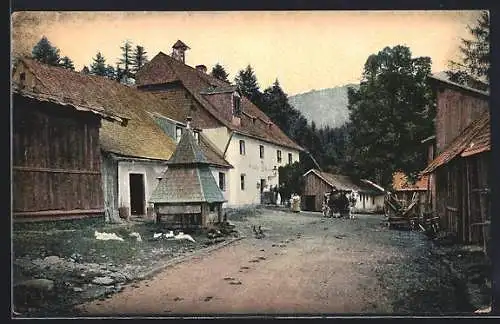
{"x": 459, "y": 186}
{"x": 56, "y": 159}
{"x": 314, "y": 186}
{"x": 455, "y": 111}
{"x": 109, "y": 169}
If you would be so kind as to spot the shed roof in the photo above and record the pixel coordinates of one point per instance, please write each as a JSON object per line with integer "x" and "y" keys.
{"x": 400, "y": 183}
{"x": 343, "y": 182}
{"x": 188, "y": 178}
{"x": 163, "y": 69}
{"x": 23, "y": 92}
{"x": 474, "y": 139}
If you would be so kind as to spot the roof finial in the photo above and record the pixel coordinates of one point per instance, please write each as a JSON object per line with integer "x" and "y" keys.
{"x": 188, "y": 122}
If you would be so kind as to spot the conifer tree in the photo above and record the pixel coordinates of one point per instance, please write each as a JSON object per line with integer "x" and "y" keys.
{"x": 139, "y": 58}
{"x": 67, "y": 63}
{"x": 45, "y": 53}
{"x": 98, "y": 67}
{"x": 219, "y": 72}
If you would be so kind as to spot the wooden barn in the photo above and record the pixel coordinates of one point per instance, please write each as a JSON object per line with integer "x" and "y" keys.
{"x": 461, "y": 169}
{"x": 56, "y": 160}
{"x": 317, "y": 183}
{"x": 188, "y": 196}
{"x": 132, "y": 157}
{"x": 462, "y": 182}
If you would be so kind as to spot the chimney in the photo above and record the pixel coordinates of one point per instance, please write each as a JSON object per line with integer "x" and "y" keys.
{"x": 201, "y": 68}
{"x": 178, "y": 51}
{"x": 188, "y": 122}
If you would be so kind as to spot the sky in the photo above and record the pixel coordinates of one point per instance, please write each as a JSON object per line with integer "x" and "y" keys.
{"x": 304, "y": 50}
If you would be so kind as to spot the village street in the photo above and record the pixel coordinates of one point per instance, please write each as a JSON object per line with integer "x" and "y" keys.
{"x": 304, "y": 264}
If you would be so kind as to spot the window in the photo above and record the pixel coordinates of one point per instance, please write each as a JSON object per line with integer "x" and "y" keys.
{"x": 261, "y": 148}
{"x": 212, "y": 207}
{"x": 278, "y": 156}
{"x": 242, "y": 182}
{"x": 222, "y": 181}
{"x": 236, "y": 105}
{"x": 290, "y": 160}
{"x": 373, "y": 200}
{"x": 178, "y": 134}
{"x": 242, "y": 147}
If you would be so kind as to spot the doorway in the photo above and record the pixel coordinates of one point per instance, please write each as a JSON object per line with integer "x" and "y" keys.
{"x": 262, "y": 185}
{"x": 310, "y": 203}
{"x": 137, "y": 194}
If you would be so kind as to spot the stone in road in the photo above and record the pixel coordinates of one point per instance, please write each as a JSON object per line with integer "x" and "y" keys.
{"x": 329, "y": 268}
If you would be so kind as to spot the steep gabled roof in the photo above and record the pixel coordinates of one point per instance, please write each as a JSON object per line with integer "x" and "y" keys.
{"x": 99, "y": 91}
{"x": 474, "y": 139}
{"x": 343, "y": 182}
{"x": 163, "y": 69}
{"x": 188, "y": 178}
{"x": 141, "y": 138}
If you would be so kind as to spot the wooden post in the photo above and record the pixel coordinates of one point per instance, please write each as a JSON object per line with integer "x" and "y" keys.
{"x": 219, "y": 213}
{"x": 483, "y": 218}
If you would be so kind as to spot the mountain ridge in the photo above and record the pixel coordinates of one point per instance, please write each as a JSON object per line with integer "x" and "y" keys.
{"x": 326, "y": 107}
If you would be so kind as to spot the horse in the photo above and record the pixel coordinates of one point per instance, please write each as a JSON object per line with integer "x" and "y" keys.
{"x": 338, "y": 202}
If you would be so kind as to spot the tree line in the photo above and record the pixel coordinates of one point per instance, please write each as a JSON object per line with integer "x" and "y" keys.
{"x": 390, "y": 113}
{"x": 131, "y": 59}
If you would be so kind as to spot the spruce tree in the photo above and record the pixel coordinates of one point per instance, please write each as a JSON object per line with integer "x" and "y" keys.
{"x": 45, "y": 53}
{"x": 67, "y": 63}
{"x": 98, "y": 67}
{"x": 139, "y": 58}
{"x": 126, "y": 58}
{"x": 473, "y": 70}
{"x": 220, "y": 73}
{"x": 247, "y": 82}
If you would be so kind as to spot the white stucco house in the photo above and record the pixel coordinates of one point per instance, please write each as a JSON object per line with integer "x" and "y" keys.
{"x": 237, "y": 129}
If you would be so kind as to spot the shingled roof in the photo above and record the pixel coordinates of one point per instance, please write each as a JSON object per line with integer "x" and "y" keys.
{"x": 142, "y": 137}
{"x": 188, "y": 178}
{"x": 474, "y": 139}
{"x": 400, "y": 183}
{"x": 343, "y": 182}
{"x": 163, "y": 69}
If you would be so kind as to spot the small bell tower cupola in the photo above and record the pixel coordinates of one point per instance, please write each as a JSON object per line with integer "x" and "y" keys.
{"x": 179, "y": 50}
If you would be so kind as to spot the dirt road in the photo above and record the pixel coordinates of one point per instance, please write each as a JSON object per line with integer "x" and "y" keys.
{"x": 304, "y": 264}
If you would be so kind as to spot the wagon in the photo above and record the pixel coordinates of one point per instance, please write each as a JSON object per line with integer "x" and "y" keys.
{"x": 399, "y": 212}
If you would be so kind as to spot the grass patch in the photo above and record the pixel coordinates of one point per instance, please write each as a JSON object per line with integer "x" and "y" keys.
{"x": 69, "y": 239}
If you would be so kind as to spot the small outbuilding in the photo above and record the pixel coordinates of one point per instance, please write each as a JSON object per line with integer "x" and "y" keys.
{"x": 405, "y": 190}
{"x": 370, "y": 197}
{"x": 56, "y": 161}
{"x": 187, "y": 195}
